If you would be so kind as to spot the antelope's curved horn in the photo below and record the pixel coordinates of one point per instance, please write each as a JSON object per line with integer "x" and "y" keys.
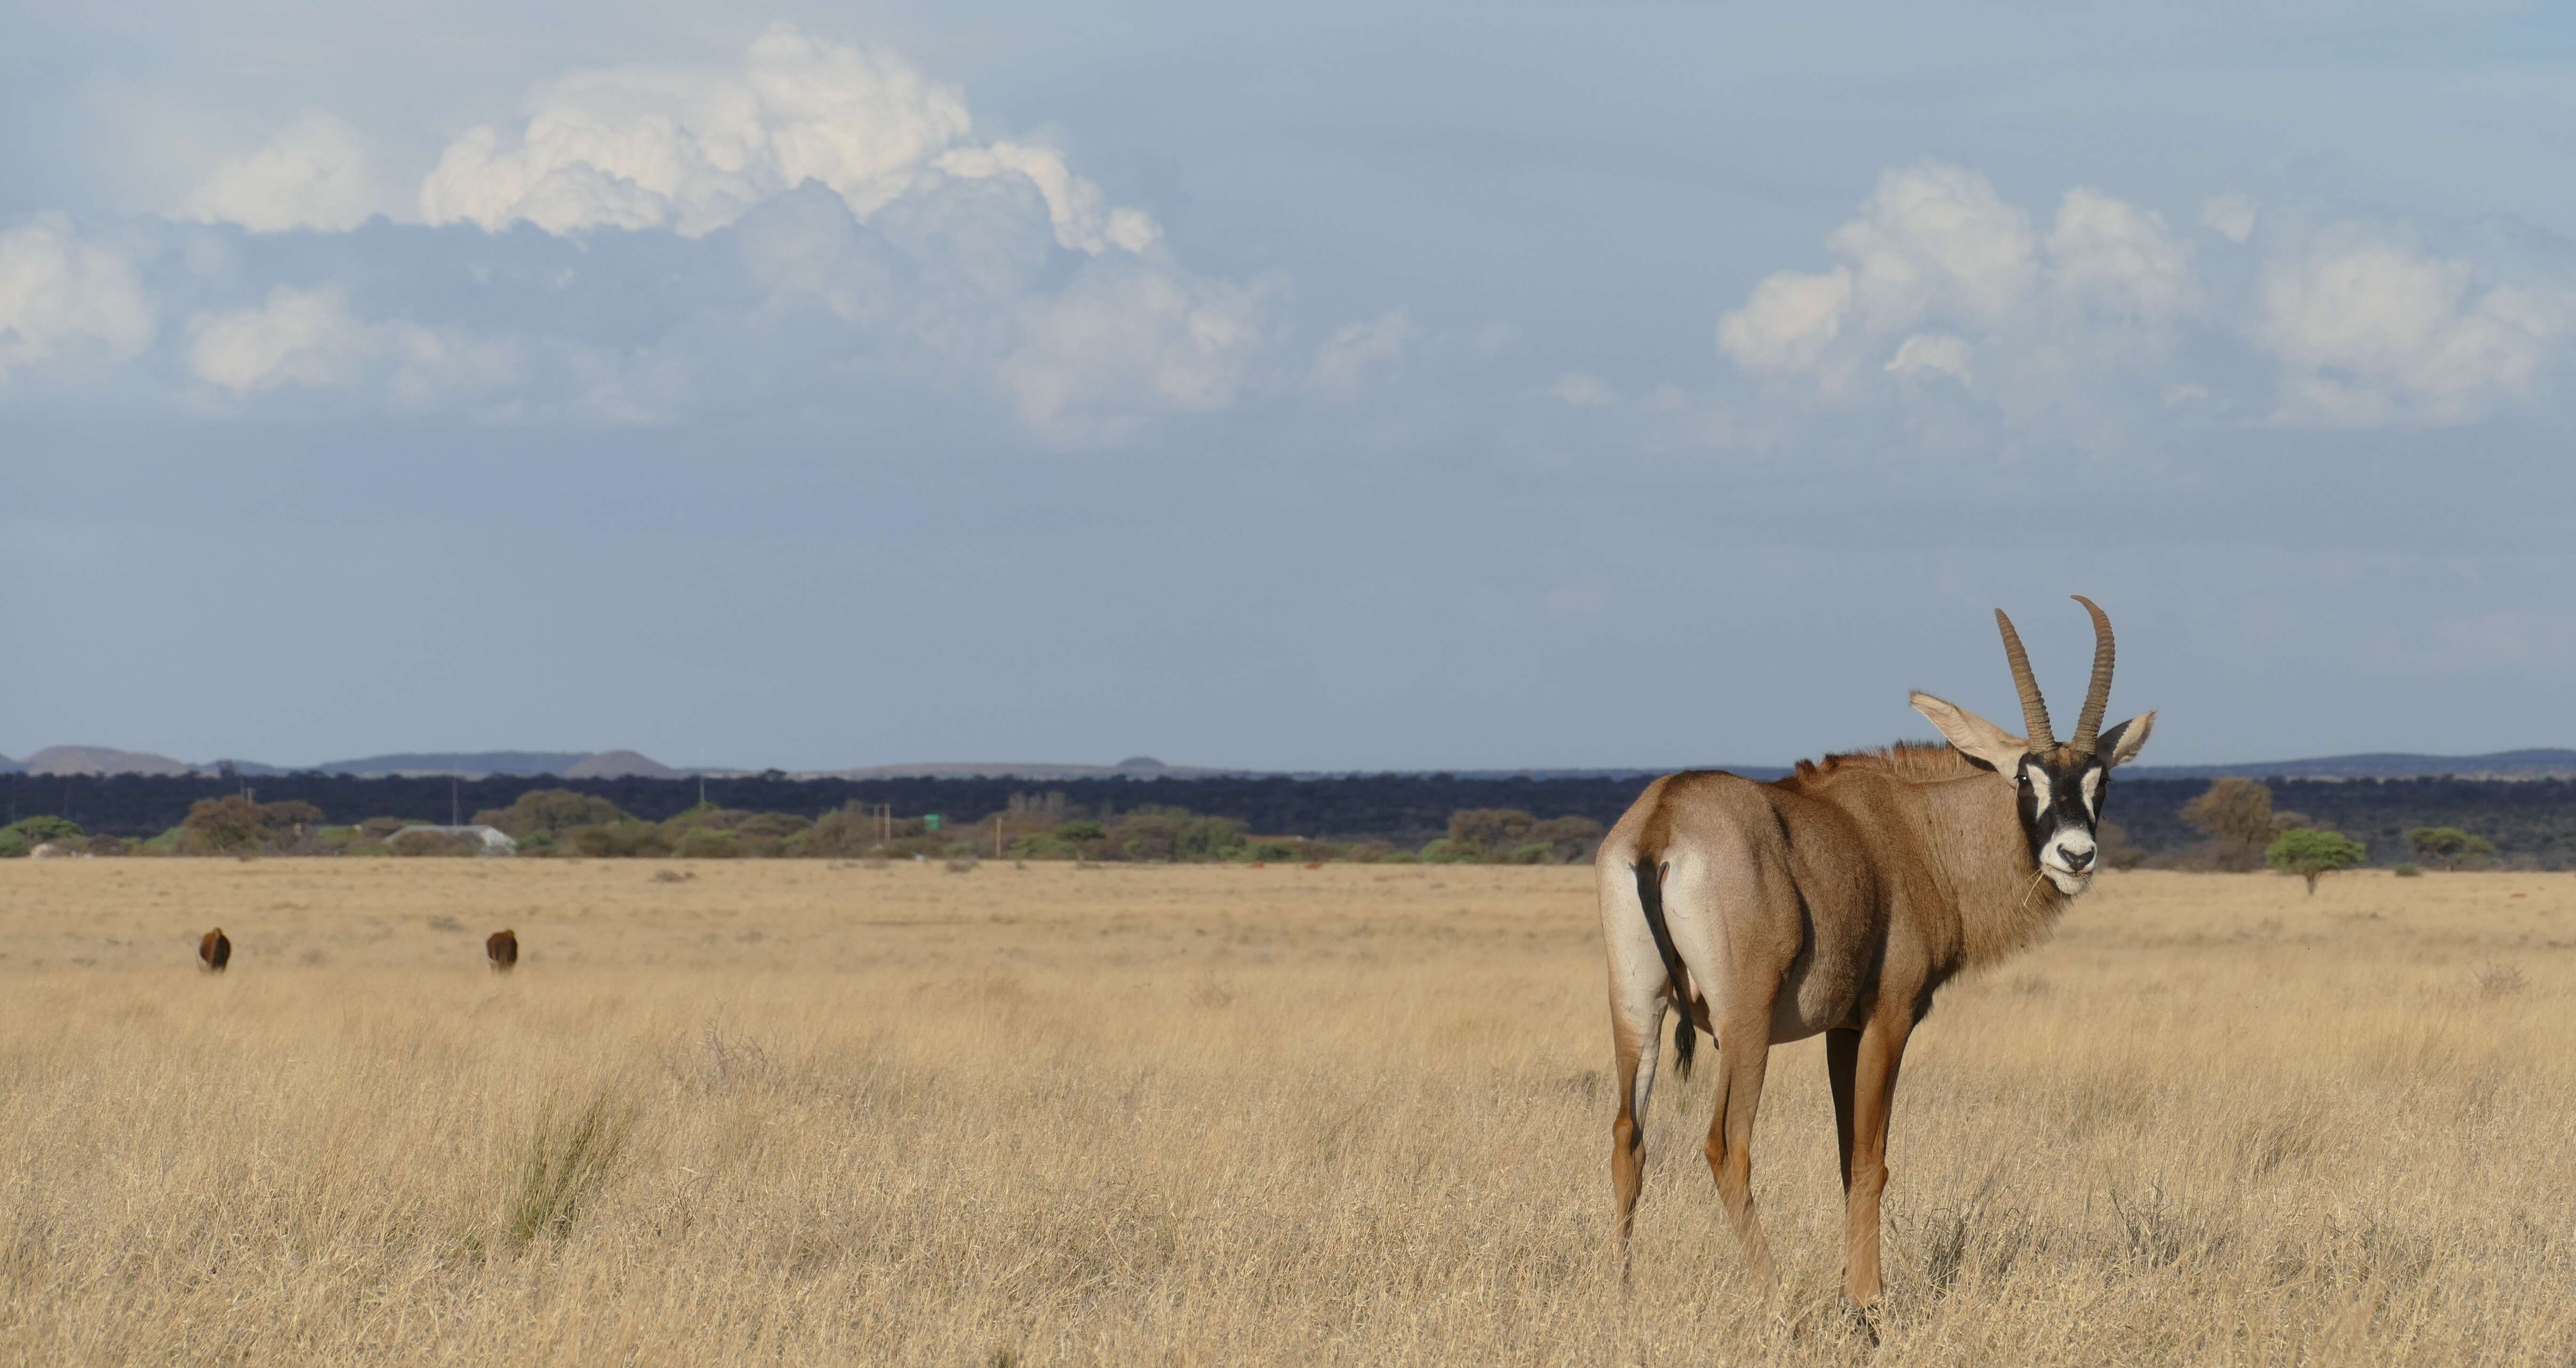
{"x": 2034, "y": 709}
{"x": 2097, "y": 695}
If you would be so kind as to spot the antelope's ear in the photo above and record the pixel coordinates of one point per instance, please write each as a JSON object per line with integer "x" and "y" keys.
{"x": 2121, "y": 744}
{"x": 1976, "y": 738}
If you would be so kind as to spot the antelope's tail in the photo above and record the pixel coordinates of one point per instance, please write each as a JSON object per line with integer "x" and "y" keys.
{"x": 1650, "y": 893}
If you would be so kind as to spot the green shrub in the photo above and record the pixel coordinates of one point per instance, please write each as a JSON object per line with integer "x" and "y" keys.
{"x": 27, "y": 833}
{"x": 432, "y": 843}
{"x": 618, "y": 840}
{"x": 1207, "y": 838}
{"x": 706, "y": 843}
{"x": 2408, "y": 871}
{"x": 551, "y": 811}
{"x": 1273, "y": 851}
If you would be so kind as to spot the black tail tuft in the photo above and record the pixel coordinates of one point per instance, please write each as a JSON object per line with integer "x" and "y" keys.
{"x": 1650, "y": 892}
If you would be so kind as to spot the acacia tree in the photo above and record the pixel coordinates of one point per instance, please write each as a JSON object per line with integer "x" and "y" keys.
{"x": 2312, "y": 853}
{"x": 27, "y": 833}
{"x": 549, "y": 812}
{"x": 2449, "y": 845}
{"x": 228, "y": 825}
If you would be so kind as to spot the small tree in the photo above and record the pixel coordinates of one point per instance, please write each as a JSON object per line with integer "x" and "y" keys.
{"x": 226, "y": 826}
{"x": 1568, "y": 839}
{"x": 2118, "y": 851}
{"x": 2448, "y": 845}
{"x": 1478, "y": 832}
{"x": 549, "y": 811}
{"x": 1208, "y": 838}
{"x": 2312, "y": 853}
{"x": 2237, "y": 814}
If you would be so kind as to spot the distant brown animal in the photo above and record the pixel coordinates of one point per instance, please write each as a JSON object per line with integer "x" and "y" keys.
{"x": 502, "y": 948}
{"x": 214, "y": 952}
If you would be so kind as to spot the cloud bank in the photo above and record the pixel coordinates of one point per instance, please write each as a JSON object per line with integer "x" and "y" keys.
{"x": 624, "y": 250}
{"x": 1944, "y": 297}
{"x": 693, "y": 150}
{"x": 825, "y": 229}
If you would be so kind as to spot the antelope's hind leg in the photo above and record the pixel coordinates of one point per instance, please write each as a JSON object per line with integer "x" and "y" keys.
{"x": 1636, "y": 1031}
{"x": 1637, "y": 1003}
{"x": 1743, "y": 1054}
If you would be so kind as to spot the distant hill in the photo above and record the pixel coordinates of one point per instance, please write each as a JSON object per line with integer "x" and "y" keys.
{"x": 2537, "y": 763}
{"x": 618, "y": 764}
{"x": 101, "y": 760}
{"x": 2512, "y": 764}
{"x": 1135, "y": 767}
{"x": 515, "y": 763}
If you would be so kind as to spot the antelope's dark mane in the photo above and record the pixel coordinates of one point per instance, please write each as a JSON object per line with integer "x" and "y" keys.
{"x": 1912, "y": 760}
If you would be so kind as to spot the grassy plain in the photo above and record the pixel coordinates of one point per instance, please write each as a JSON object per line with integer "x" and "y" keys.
{"x": 785, "y": 1112}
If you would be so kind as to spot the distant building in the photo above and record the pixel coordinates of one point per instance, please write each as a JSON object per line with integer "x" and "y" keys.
{"x": 495, "y": 841}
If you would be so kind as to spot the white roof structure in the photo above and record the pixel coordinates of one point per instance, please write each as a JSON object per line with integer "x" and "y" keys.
{"x": 495, "y": 840}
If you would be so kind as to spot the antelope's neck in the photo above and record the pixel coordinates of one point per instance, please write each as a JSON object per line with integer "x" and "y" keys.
{"x": 1986, "y": 868}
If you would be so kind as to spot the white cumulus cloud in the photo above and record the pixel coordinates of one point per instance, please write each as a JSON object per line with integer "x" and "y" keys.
{"x": 61, "y": 294}
{"x": 1787, "y": 324}
{"x": 1935, "y": 245}
{"x": 1936, "y": 238}
{"x": 298, "y": 337}
{"x": 1124, "y": 342}
{"x": 313, "y": 339}
{"x": 2230, "y": 216}
{"x": 2369, "y": 331}
{"x": 1931, "y": 352}
{"x": 315, "y": 173}
{"x": 693, "y": 150}
{"x": 2110, "y": 255}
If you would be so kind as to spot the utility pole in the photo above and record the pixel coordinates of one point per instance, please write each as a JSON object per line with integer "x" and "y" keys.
{"x": 455, "y": 808}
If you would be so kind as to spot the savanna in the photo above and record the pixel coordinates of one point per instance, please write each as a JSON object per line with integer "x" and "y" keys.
{"x": 800, "y": 1112}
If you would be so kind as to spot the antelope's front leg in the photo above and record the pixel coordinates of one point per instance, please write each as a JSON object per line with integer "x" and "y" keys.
{"x": 1873, "y": 1095}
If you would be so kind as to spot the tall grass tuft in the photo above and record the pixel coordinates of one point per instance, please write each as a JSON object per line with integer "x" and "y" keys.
{"x": 565, "y": 1164}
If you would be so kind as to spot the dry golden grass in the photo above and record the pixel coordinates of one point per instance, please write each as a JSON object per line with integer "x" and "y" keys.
{"x": 791, "y": 1113}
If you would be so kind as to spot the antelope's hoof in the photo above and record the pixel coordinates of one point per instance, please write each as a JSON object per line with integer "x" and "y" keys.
{"x": 1862, "y": 1320}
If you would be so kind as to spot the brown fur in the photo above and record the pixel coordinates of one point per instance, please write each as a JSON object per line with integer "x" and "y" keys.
{"x": 1848, "y": 892}
{"x": 502, "y": 948}
{"x": 214, "y": 951}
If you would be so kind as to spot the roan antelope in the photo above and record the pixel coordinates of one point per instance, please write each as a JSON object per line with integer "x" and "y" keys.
{"x": 1838, "y": 900}
{"x": 502, "y": 948}
{"x": 214, "y": 951}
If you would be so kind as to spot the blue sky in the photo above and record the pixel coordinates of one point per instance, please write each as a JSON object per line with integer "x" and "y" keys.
{"x": 1333, "y": 387}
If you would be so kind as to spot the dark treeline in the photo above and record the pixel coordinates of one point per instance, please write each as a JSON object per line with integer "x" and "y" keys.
{"x": 1390, "y": 807}
{"x": 2531, "y": 822}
